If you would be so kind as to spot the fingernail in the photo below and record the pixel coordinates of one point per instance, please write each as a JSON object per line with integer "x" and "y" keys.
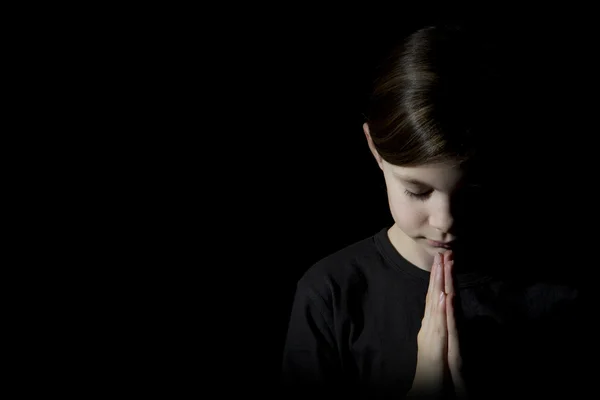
{"x": 442, "y": 295}
{"x": 436, "y": 259}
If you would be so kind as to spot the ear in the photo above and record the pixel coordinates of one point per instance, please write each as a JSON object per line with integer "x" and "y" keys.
{"x": 372, "y": 147}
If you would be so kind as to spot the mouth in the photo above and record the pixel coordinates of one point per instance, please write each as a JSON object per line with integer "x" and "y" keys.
{"x": 443, "y": 245}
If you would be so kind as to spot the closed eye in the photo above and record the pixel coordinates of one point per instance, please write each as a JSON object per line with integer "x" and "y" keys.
{"x": 419, "y": 196}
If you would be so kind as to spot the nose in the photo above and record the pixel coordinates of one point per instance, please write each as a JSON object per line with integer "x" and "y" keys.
{"x": 441, "y": 217}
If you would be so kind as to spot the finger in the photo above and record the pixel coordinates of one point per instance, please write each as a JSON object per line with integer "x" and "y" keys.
{"x": 451, "y": 295}
{"x": 439, "y": 284}
{"x": 442, "y": 326}
{"x": 448, "y": 280}
{"x": 440, "y": 308}
{"x": 429, "y": 297}
{"x": 448, "y": 256}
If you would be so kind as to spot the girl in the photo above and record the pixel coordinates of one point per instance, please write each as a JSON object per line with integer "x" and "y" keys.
{"x": 425, "y": 308}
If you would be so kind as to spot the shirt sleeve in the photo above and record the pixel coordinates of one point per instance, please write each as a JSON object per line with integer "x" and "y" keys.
{"x": 311, "y": 362}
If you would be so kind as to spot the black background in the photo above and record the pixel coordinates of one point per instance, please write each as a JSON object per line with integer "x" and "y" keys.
{"x": 258, "y": 167}
{"x": 197, "y": 160}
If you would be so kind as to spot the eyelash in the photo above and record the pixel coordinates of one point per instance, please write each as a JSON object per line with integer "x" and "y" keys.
{"x": 418, "y": 196}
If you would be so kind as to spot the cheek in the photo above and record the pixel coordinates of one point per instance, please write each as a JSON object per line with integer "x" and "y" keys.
{"x": 408, "y": 215}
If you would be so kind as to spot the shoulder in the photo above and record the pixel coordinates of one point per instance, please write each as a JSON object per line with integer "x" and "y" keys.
{"x": 347, "y": 269}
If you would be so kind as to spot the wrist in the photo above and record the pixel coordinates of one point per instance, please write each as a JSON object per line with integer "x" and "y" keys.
{"x": 427, "y": 382}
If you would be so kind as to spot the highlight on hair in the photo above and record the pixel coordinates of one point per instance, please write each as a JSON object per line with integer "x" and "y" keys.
{"x": 434, "y": 99}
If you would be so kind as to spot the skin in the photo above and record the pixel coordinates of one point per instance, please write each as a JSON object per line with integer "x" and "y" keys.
{"x": 418, "y": 219}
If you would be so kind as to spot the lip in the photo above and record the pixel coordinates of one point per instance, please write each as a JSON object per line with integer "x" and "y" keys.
{"x": 445, "y": 245}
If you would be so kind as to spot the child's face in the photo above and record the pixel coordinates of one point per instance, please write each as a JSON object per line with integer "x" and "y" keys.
{"x": 426, "y": 202}
{"x": 423, "y": 202}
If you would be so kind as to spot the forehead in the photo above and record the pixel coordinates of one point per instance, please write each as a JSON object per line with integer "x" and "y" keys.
{"x": 436, "y": 175}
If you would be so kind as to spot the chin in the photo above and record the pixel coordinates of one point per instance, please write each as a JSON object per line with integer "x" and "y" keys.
{"x": 421, "y": 244}
{"x": 432, "y": 251}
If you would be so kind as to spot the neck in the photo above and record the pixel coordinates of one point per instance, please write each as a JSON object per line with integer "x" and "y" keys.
{"x": 409, "y": 249}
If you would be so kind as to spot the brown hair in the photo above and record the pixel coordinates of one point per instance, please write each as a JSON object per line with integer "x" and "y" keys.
{"x": 432, "y": 99}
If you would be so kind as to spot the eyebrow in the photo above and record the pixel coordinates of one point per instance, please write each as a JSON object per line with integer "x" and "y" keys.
{"x": 411, "y": 180}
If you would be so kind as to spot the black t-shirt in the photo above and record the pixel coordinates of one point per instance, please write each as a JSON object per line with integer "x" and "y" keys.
{"x": 356, "y": 314}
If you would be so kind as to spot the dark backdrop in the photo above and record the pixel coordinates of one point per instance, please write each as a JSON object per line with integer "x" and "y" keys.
{"x": 283, "y": 167}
